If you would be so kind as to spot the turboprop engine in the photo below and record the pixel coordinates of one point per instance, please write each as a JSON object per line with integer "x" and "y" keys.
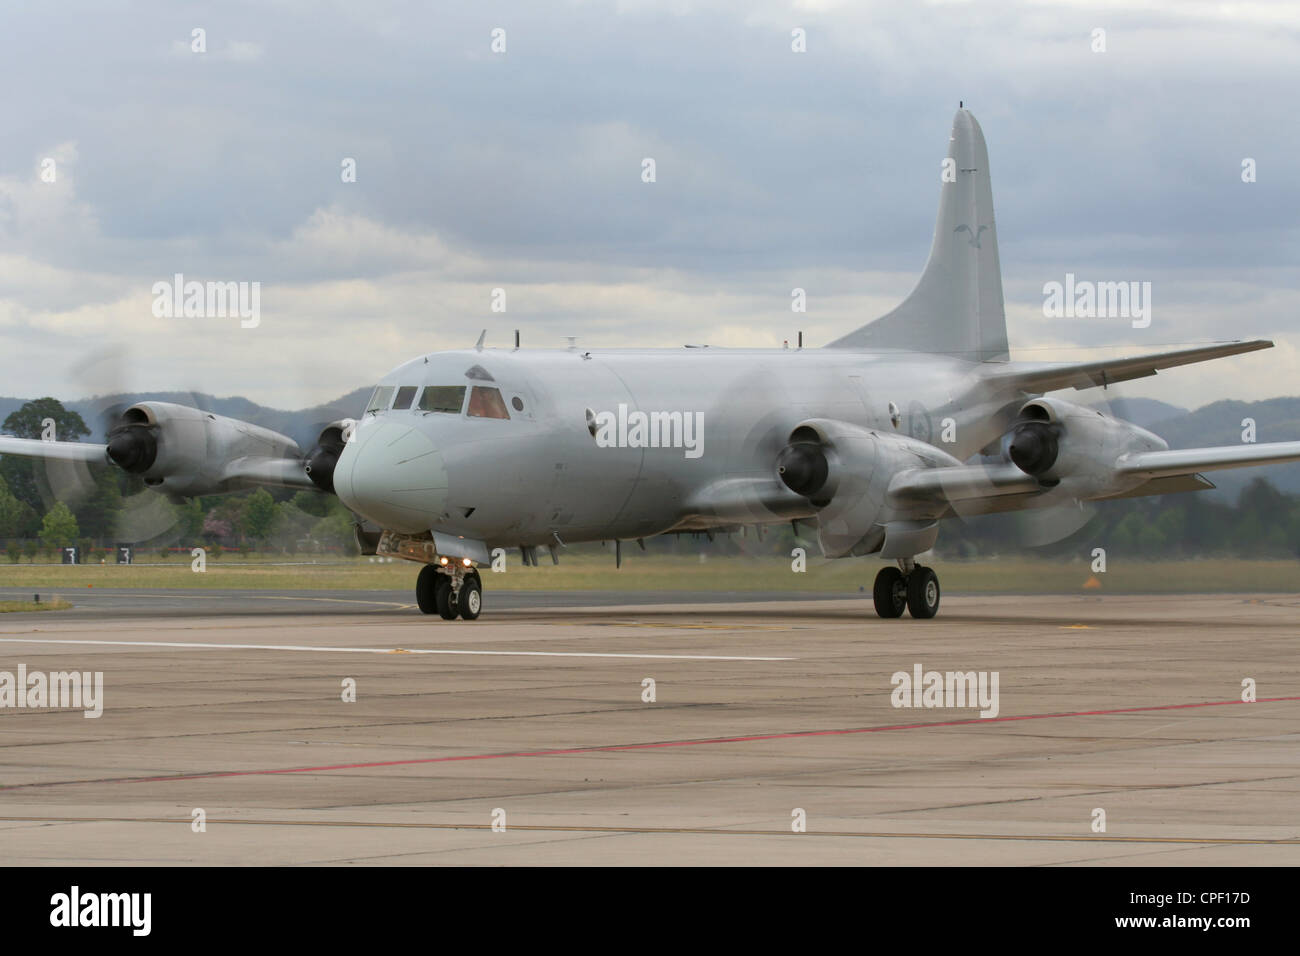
{"x": 1075, "y": 448}
{"x": 845, "y": 470}
{"x": 187, "y": 451}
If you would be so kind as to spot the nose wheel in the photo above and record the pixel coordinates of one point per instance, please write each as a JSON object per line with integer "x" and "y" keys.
{"x": 917, "y": 590}
{"x": 449, "y": 594}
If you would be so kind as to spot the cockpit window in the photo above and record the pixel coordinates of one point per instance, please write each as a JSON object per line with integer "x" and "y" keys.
{"x": 405, "y": 395}
{"x": 443, "y": 398}
{"x": 379, "y": 399}
{"x": 485, "y": 402}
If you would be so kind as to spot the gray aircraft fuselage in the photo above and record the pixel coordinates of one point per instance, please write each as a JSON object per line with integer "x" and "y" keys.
{"x": 541, "y": 475}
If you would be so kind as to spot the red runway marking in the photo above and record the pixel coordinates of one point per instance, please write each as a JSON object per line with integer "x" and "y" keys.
{"x": 614, "y": 748}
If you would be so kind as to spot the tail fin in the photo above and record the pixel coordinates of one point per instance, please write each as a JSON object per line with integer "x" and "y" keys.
{"x": 956, "y": 307}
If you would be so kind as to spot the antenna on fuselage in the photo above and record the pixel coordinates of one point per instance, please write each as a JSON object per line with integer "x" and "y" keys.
{"x": 516, "y": 338}
{"x": 478, "y": 346}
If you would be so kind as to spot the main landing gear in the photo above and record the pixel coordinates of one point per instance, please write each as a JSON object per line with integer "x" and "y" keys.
{"x": 908, "y": 586}
{"x": 450, "y": 592}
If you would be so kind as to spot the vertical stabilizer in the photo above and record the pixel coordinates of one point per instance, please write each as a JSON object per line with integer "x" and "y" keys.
{"x": 956, "y": 307}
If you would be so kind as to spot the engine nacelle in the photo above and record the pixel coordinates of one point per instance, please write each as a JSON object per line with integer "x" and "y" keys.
{"x": 186, "y": 451}
{"x": 845, "y": 471}
{"x": 1061, "y": 443}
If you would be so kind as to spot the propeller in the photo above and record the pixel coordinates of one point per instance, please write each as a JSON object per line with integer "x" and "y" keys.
{"x": 147, "y": 516}
{"x": 802, "y": 465}
{"x": 323, "y": 457}
{"x": 1032, "y": 445}
{"x": 733, "y": 429}
{"x": 133, "y": 446}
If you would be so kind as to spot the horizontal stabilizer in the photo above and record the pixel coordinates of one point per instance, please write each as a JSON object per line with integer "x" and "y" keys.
{"x": 1050, "y": 376}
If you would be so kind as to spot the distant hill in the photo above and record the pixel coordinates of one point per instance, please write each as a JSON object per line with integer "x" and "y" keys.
{"x": 1144, "y": 412}
{"x": 1277, "y": 419}
{"x": 303, "y": 426}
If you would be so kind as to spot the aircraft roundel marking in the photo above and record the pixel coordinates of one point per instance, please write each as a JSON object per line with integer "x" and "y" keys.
{"x": 918, "y": 422}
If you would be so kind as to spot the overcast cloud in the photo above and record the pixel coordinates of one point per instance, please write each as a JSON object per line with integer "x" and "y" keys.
{"x": 522, "y": 170}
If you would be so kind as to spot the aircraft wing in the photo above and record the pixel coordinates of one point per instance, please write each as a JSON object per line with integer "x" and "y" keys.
{"x": 961, "y": 483}
{"x": 56, "y": 450}
{"x": 985, "y": 489}
{"x": 1183, "y": 461}
{"x": 1050, "y": 376}
{"x": 1040, "y": 498}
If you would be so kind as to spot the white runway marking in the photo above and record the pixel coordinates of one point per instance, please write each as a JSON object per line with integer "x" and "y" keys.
{"x": 385, "y": 650}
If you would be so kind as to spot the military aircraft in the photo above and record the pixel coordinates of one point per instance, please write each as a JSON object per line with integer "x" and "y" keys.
{"x": 872, "y": 440}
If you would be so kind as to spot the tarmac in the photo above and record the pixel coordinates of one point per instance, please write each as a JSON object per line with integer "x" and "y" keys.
{"x": 770, "y": 733}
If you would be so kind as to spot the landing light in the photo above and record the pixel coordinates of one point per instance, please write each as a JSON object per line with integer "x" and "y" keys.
{"x": 442, "y": 560}
{"x": 466, "y": 561}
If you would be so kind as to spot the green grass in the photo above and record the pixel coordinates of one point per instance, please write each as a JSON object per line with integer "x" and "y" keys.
{"x": 688, "y": 573}
{"x": 51, "y": 604}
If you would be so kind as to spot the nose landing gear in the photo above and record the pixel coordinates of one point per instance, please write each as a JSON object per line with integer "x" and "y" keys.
{"x": 450, "y": 592}
{"x": 908, "y": 586}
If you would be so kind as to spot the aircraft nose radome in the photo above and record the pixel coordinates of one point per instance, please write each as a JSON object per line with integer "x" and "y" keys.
{"x": 393, "y": 475}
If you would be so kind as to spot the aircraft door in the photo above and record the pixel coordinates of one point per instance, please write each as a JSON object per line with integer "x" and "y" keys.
{"x": 589, "y": 483}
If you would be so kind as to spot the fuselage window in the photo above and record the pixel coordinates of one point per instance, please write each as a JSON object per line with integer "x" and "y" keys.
{"x": 405, "y": 395}
{"x": 485, "y": 402}
{"x": 443, "y": 398}
{"x": 379, "y": 400}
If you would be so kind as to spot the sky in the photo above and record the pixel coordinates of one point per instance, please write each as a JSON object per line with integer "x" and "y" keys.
{"x": 522, "y": 169}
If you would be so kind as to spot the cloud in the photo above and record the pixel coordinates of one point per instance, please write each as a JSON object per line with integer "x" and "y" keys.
{"x": 522, "y": 171}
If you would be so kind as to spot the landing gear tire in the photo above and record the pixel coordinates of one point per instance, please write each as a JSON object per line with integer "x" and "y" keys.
{"x": 890, "y": 592}
{"x": 923, "y": 593}
{"x": 447, "y": 603}
{"x": 470, "y": 600}
{"x": 426, "y": 589}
